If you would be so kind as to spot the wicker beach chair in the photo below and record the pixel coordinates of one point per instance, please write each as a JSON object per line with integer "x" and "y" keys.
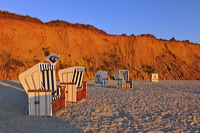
{"x": 122, "y": 79}
{"x": 44, "y": 96}
{"x": 101, "y": 79}
{"x": 72, "y": 77}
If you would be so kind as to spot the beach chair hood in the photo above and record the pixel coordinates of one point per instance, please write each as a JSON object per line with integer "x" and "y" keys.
{"x": 40, "y": 76}
{"x": 72, "y": 75}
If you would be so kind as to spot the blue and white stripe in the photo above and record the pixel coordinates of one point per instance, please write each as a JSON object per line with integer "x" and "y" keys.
{"x": 48, "y": 76}
{"x": 55, "y": 97}
{"x": 45, "y": 67}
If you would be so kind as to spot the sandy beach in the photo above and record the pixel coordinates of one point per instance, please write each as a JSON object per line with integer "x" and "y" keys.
{"x": 164, "y": 106}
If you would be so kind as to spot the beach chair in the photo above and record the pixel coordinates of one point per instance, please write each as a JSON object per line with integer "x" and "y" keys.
{"x": 101, "y": 79}
{"x": 44, "y": 97}
{"x": 154, "y": 77}
{"x": 122, "y": 78}
{"x": 76, "y": 89}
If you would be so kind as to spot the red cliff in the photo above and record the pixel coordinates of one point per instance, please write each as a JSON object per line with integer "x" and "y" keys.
{"x": 25, "y": 41}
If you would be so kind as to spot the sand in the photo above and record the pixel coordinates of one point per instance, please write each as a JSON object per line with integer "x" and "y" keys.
{"x": 166, "y": 106}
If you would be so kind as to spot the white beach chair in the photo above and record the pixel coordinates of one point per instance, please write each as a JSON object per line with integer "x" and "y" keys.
{"x": 122, "y": 78}
{"x": 154, "y": 77}
{"x": 101, "y": 79}
{"x": 44, "y": 97}
{"x": 72, "y": 78}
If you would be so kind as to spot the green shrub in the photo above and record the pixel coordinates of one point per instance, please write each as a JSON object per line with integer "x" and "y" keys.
{"x": 148, "y": 69}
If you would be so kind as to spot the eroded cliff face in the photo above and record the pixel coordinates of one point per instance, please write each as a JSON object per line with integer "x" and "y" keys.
{"x": 25, "y": 41}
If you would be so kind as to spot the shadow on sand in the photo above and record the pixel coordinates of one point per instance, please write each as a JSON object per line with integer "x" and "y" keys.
{"x": 14, "y": 102}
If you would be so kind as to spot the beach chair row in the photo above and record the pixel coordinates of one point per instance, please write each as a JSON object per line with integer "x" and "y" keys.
{"x": 45, "y": 94}
{"x": 121, "y": 77}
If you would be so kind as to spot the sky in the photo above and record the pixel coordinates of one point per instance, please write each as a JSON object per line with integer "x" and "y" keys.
{"x": 162, "y": 18}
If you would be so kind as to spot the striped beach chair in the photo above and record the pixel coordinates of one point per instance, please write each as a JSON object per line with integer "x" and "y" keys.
{"x": 122, "y": 78}
{"x": 44, "y": 96}
{"x": 72, "y": 78}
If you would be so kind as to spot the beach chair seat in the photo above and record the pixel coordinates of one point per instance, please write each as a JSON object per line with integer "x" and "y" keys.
{"x": 58, "y": 101}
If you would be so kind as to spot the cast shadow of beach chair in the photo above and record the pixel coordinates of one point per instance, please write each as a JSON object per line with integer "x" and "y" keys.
{"x": 44, "y": 96}
{"x": 75, "y": 88}
{"x": 12, "y": 83}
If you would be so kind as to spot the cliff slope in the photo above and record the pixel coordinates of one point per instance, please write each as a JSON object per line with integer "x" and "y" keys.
{"x": 25, "y": 41}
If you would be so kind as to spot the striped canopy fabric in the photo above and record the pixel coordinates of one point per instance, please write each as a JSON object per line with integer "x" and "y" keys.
{"x": 79, "y": 69}
{"x": 48, "y": 77}
{"x": 45, "y": 67}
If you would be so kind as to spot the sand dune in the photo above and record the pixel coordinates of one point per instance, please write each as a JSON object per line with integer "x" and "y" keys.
{"x": 166, "y": 106}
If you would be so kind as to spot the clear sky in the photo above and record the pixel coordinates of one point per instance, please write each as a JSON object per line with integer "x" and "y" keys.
{"x": 163, "y": 18}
